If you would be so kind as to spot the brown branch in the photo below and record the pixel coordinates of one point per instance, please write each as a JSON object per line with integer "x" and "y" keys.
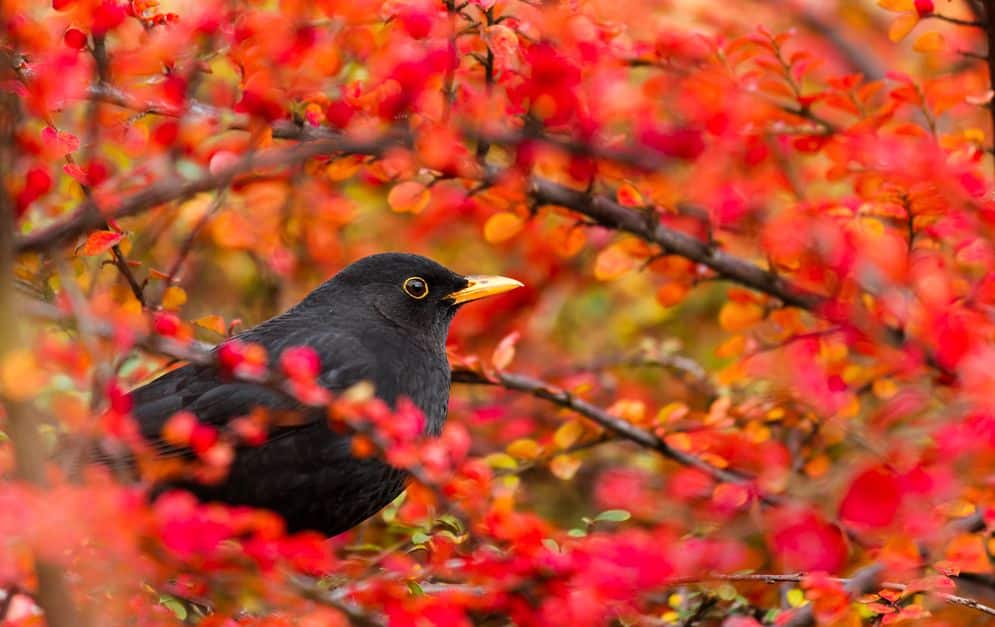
{"x": 864, "y": 581}
{"x": 200, "y": 354}
{"x": 86, "y": 217}
{"x": 956, "y": 20}
{"x": 187, "y": 246}
{"x": 855, "y": 55}
{"x": 54, "y": 595}
{"x": 612, "y": 423}
{"x": 609, "y": 213}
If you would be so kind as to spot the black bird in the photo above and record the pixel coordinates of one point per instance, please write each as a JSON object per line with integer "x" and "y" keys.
{"x": 383, "y": 319}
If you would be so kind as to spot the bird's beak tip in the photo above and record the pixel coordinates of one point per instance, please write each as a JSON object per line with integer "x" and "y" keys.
{"x": 481, "y": 286}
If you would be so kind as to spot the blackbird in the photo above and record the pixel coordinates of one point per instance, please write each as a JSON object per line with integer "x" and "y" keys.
{"x": 383, "y": 319}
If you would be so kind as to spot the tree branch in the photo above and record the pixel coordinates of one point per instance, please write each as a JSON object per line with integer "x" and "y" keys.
{"x": 863, "y": 581}
{"x": 609, "y": 213}
{"x": 87, "y": 217}
{"x": 53, "y": 593}
{"x": 614, "y": 424}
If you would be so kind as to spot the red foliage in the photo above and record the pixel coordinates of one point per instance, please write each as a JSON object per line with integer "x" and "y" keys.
{"x": 757, "y": 330}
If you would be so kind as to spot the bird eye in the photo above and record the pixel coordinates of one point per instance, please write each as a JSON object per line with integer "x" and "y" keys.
{"x": 416, "y": 287}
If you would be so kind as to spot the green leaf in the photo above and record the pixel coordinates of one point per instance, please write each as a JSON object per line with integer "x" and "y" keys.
{"x": 420, "y": 537}
{"x": 452, "y": 522}
{"x": 613, "y": 515}
{"x": 415, "y": 589}
{"x": 173, "y": 605}
{"x": 551, "y": 544}
{"x": 365, "y": 548}
{"x": 577, "y": 533}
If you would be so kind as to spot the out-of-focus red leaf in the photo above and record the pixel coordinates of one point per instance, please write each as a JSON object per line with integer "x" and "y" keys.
{"x": 99, "y": 242}
{"x": 872, "y": 499}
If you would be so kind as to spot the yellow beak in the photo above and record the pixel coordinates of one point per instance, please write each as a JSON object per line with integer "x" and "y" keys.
{"x": 482, "y": 286}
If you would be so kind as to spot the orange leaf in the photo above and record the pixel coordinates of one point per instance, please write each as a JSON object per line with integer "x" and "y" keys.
{"x": 505, "y": 351}
{"x": 344, "y": 168}
{"x": 567, "y": 239}
{"x": 730, "y": 496}
{"x": 212, "y": 322}
{"x": 568, "y": 434}
{"x": 629, "y": 196}
{"x": 524, "y": 448}
{"x": 21, "y": 376}
{"x": 737, "y": 317}
{"x": 564, "y": 466}
{"x": 928, "y": 42}
{"x": 100, "y": 242}
{"x": 897, "y": 6}
{"x": 612, "y": 262}
{"x": 672, "y": 293}
{"x": 409, "y": 197}
{"x": 902, "y": 26}
{"x": 502, "y": 226}
{"x": 174, "y": 298}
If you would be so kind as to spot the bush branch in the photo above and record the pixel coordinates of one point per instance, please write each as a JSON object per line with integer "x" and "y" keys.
{"x": 608, "y": 421}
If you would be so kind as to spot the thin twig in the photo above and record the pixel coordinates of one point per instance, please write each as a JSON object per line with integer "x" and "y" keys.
{"x": 863, "y": 581}
{"x": 614, "y": 424}
{"x": 187, "y": 246}
{"x": 84, "y": 219}
{"x": 955, "y": 20}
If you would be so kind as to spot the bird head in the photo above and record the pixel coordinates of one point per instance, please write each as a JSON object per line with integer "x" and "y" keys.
{"x": 409, "y": 291}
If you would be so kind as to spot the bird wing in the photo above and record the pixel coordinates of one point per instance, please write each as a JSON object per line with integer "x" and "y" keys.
{"x": 200, "y": 389}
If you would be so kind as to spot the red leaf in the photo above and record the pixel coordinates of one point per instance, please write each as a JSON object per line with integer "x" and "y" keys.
{"x": 873, "y": 499}
{"x": 76, "y": 172}
{"x": 100, "y": 242}
{"x": 804, "y": 541}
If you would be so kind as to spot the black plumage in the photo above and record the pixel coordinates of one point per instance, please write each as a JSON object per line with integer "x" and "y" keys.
{"x": 383, "y": 319}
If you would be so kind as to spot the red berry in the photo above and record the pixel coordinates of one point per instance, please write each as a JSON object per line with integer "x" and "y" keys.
{"x": 75, "y": 39}
{"x": 166, "y": 324}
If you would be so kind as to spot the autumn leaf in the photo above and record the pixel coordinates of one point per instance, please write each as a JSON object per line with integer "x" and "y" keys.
{"x": 736, "y": 316}
{"x": 568, "y": 240}
{"x": 21, "y": 376}
{"x": 629, "y": 196}
{"x": 174, "y": 298}
{"x": 503, "y": 226}
{"x": 99, "y": 242}
{"x": 408, "y": 197}
{"x": 212, "y": 322}
{"x": 902, "y": 26}
{"x": 612, "y": 262}
{"x": 524, "y": 448}
{"x": 568, "y": 433}
{"x": 872, "y": 499}
{"x": 928, "y": 42}
{"x": 564, "y": 466}
{"x": 504, "y": 353}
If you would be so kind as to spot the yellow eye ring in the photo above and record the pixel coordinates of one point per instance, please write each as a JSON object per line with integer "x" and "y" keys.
{"x": 415, "y": 287}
